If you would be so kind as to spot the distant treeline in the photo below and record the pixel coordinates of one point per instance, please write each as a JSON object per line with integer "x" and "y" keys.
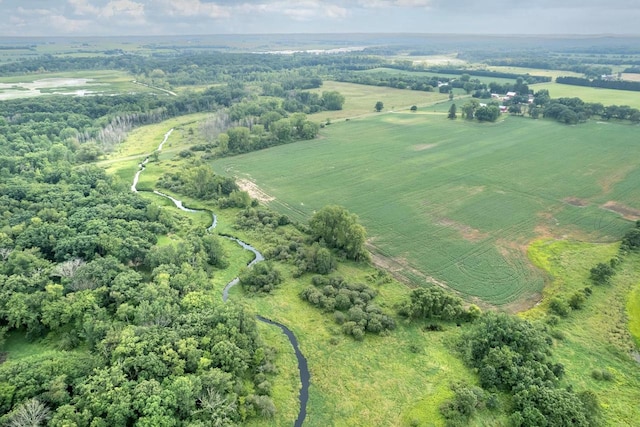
{"x": 635, "y": 70}
{"x": 429, "y": 83}
{"x": 398, "y": 81}
{"x": 615, "y": 84}
{"x": 196, "y": 68}
{"x": 565, "y": 64}
{"x": 487, "y": 73}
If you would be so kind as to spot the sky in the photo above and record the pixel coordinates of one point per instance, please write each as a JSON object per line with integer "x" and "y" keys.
{"x": 187, "y": 17}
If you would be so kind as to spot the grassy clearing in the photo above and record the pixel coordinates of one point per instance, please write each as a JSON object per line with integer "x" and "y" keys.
{"x": 534, "y": 71}
{"x": 379, "y": 381}
{"x": 146, "y": 139}
{"x": 458, "y": 201}
{"x": 596, "y": 337}
{"x": 591, "y": 94}
{"x": 360, "y": 99}
{"x": 18, "y": 347}
{"x": 633, "y": 312}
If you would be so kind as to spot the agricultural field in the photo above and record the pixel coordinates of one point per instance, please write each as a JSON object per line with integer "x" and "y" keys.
{"x": 534, "y": 71}
{"x": 457, "y": 203}
{"x": 78, "y": 83}
{"x": 591, "y": 94}
{"x": 360, "y": 99}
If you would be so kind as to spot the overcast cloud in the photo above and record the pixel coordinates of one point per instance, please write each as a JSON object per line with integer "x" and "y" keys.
{"x": 167, "y": 17}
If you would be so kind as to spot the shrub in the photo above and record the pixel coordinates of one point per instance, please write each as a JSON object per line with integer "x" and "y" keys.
{"x": 577, "y": 300}
{"x": 263, "y": 277}
{"x": 601, "y": 273}
{"x": 433, "y": 302}
{"x": 351, "y": 304}
{"x": 559, "y": 307}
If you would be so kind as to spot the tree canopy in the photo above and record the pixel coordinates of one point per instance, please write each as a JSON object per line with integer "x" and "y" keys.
{"x": 339, "y": 229}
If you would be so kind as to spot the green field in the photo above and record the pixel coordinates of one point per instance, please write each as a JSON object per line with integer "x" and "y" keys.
{"x": 591, "y": 94}
{"x": 534, "y": 71}
{"x": 360, "y": 99}
{"x": 458, "y": 202}
{"x": 595, "y": 337}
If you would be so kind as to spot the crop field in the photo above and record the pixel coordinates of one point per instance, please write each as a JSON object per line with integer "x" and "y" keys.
{"x": 591, "y": 94}
{"x": 455, "y": 202}
{"x": 360, "y": 99}
{"x": 534, "y": 71}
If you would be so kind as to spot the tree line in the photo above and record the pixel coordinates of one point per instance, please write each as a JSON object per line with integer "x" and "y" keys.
{"x": 606, "y": 84}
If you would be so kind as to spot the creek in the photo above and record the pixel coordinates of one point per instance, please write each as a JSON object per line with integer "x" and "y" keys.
{"x": 303, "y": 367}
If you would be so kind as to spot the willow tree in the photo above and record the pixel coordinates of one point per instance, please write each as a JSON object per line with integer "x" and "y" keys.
{"x": 340, "y": 229}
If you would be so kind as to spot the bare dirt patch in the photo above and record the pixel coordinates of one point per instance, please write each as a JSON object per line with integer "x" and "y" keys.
{"x": 632, "y": 77}
{"x": 254, "y": 191}
{"x": 574, "y": 201}
{"x": 523, "y": 304}
{"x": 398, "y": 267}
{"x": 626, "y": 211}
{"x": 422, "y": 147}
{"x": 468, "y": 233}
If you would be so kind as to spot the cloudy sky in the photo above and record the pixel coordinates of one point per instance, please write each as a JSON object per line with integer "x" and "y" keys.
{"x": 158, "y": 17}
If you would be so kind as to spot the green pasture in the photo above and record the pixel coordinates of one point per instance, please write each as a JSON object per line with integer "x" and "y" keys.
{"x": 633, "y": 312}
{"x": 591, "y": 94}
{"x": 534, "y": 71}
{"x": 458, "y": 202}
{"x": 597, "y": 336}
{"x": 360, "y": 99}
{"x": 394, "y": 71}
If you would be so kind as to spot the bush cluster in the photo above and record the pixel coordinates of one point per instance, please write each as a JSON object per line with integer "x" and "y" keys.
{"x": 256, "y": 217}
{"x": 262, "y": 277}
{"x": 435, "y": 303}
{"x": 352, "y": 305}
{"x": 513, "y": 355}
{"x": 466, "y": 401}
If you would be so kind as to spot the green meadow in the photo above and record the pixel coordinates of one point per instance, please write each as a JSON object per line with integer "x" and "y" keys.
{"x": 457, "y": 202}
{"x": 360, "y": 99}
{"x": 595, "y": 338}
{"x": 591, "y": 94}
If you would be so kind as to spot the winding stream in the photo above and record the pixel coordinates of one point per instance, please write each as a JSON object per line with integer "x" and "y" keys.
{"x": 303, "y": 367}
